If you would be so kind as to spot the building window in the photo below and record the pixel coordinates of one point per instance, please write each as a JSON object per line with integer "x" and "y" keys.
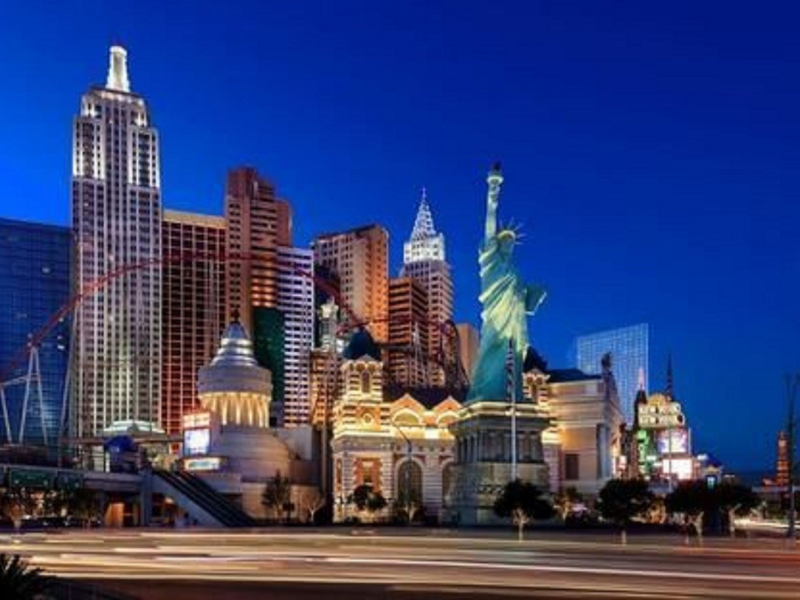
{"x": 571, "y": 467}
{"x": 366, "y": 382}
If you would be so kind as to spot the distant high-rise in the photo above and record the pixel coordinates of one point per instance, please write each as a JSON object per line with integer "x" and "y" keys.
{"x": 424, "y": 259}
{"x": 629, "y": 348}
{"x": 408, "y": 333}
{"x": 296, "y": 302}
{"x": 34, "y": 284}
{"x": 360, "y": 259}
{"x": 782, "y": 462}
{"x": 116, "y": 219}
{"x": 258, "y": 222}
{"x": 194, "y": 308}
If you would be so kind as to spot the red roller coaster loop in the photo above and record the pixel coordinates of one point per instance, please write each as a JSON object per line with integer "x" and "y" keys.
{"x": 100, "y": 283}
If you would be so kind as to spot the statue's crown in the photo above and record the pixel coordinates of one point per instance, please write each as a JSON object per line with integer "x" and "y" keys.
{"x": 507, "y": 234}
{"x": 510, "y": 231}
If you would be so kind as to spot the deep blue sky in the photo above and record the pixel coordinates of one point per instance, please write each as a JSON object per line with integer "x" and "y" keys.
{"x": 650, "y": 148}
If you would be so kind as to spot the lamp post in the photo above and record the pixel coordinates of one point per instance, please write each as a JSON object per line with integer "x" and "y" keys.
{"x": 409, "y": 458}
{"x": 792, "y": 386}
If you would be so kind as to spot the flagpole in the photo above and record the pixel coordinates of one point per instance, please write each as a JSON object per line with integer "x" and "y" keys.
{"x": 512, "y": 374}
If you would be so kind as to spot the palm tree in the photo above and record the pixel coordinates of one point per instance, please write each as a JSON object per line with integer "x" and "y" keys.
{"x": 19, "y": 581}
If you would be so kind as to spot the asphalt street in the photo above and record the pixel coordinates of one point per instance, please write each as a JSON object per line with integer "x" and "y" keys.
{"x": 341, "y": 563}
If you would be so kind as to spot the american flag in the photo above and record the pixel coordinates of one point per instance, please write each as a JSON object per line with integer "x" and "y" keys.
{"x": 511, "y": 364}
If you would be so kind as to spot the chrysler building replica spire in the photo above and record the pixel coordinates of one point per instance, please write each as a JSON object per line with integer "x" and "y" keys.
{"x": 116, "y": 217}
{"x": 424, "y": 260}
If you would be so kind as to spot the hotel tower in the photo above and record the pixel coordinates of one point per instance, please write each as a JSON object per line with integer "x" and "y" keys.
{"x": 116, "y": 218}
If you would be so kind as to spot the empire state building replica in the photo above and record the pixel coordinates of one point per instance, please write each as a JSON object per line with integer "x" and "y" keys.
{"x": 116, "y": 218}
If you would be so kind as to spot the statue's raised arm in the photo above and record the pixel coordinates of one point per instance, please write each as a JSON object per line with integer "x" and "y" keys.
{"x": 495, "y": 180}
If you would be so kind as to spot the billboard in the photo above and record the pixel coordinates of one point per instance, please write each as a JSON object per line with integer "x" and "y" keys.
{"x": 196, "y": 441}
{"x": 681, "y": 468}
{"x": 673, "y": 441}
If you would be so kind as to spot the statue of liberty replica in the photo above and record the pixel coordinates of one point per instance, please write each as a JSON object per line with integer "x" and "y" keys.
{"x": 499, "y": 430}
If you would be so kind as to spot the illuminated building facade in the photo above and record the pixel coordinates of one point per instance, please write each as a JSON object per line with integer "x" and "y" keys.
{"x": 663, "y": 439}
{"x": 424, "y": 260}
{"x": 782, "y": 462}
{"x": 116, "y": 219}
{"x": 399, "y": 445}
{"x": 193, "y": 307}
{"x": 408, "y": 333}
{"x": 583, "y": 444}
{"x": 234, "y": 386}
{"x": 360, "y": 259}
{"x": 229, "y": 443}
{"x": 629, "y": 348}
{"x": 258, "y": 223}
{"x": 296, "y": 302}
{"x": 34, "y": 284}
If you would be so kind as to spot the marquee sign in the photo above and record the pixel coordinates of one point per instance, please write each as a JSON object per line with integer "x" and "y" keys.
{"x": 660, "y": 413}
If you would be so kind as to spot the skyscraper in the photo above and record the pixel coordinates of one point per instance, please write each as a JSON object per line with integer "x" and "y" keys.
{"x": 360, "y": 259}
{"x": 296, "y": 302}
{"x": 424, "y": 259}
{"x": 271, "y": 288}
{"x": 408, "y": 333}
{"x": 258, "y": 222}
{"x": 34, "y": 284}
{"x": 194, "y": 309}
{"x": 629, "y": 348}
{"x": 116, "y": 218}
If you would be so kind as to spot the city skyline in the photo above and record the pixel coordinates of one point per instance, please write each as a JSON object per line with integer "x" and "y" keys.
{"x": 745, "y": 333}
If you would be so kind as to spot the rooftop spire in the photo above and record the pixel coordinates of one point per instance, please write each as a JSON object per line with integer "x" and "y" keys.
{"x": 117, "y": 79}
{"x": 423, "y": 224}
{"x": 640, "y": 384}
{"x": 669, "y": 389}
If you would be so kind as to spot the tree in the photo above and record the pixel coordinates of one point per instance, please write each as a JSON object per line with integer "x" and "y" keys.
{"x": 736, "y": 500}
{"x": 367, "y": 500}
{"x": 566, "y": 501}
{"x": 622, "y": 500}
{"x": 85, "y": 505}
{"x": 522, "y": 502}
{"x": 311, "y": 501}
{"x": 16, "y": 502}
{"x": 277, "y": 495}
{"x": 692, "y": 499}
{"x": 697, "y": 502}
{"x": 19, "y": 581}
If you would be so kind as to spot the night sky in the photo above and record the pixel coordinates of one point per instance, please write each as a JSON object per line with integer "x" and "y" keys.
{"x": 650, "y": 150}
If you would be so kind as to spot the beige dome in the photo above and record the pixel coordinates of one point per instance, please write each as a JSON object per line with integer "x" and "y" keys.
{"x": 233, "y": 386}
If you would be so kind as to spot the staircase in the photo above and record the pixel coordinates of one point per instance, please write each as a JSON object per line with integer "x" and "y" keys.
{"x": 200, "y": 500}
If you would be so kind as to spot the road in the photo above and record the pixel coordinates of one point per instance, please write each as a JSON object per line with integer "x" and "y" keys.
{"x": 334, "y": 563}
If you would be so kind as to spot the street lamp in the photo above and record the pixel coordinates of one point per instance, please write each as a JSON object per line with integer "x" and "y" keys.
{"x": 792, "y": 386}
{"x": 409, "y": 455}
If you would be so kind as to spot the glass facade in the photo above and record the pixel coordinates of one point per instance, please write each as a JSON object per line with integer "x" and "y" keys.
{"x": 34, "y": 284}
{"x": 629, "y": 348}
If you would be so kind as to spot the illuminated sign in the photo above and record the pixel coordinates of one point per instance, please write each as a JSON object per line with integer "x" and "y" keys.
{"x": 197, "y": 420}
{"x": 673, "y": 441}
{"x": 203, "y": 464}
{"x": 682, "y": 468}
{"x": 196, "y": 441}
{"x": 660, "y": 413}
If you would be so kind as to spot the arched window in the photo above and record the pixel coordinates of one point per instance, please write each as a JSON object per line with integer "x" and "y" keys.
{"x": 409, "y": 483}
{"x": 366, "y": 382}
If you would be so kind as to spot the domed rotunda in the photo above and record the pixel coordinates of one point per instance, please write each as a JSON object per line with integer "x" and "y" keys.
{"x": 234, "y": 386}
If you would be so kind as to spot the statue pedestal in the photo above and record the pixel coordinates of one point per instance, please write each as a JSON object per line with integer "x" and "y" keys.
{"x": 484, "y": 457}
